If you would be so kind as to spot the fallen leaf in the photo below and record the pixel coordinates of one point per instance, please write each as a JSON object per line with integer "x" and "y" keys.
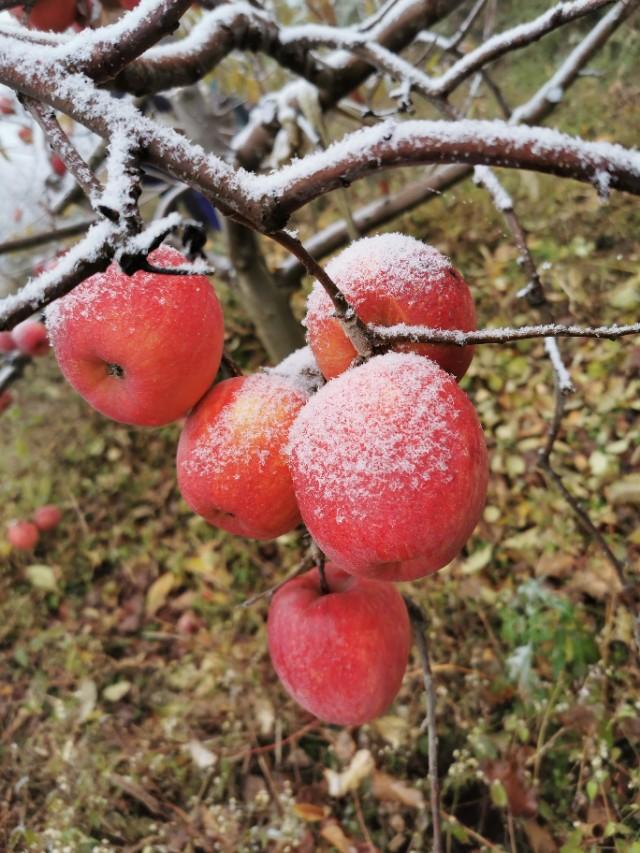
{"x": 509, "y": 773}
{"x": 540, "y": 839}
{"x": 361, "y": 766}
{"x": 333, "y": 833}
{"x": 42, "y": 577}
{"x": 116, "y": 692}
{"x": 158, "y": 592}
{"x": 625, "y": 491}
{"x": 310, "y": 812}
{"x": 394, "y": 729}
{"x": 202, "y": 757}
{"x": 385, "y": 787}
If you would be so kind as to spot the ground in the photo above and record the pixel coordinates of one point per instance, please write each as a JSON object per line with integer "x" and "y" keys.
{"x": 138, "y": 707}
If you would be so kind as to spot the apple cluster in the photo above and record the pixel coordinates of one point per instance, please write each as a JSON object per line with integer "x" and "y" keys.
{"x": 385, "y": 464}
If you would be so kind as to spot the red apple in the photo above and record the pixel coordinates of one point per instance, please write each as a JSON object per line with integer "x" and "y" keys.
{"x": 341, "y": 654}
{"x": 141, "y": 349}
{"x": 26, "y": 135}
{"x": 389, "y": 467}
{"x": 23, "y": 535}
{"x": 47, "y": 517}
{"x": 232, "y": 466}
{"x": 6, "y": 399}
{"x": 57, "y": 165}
{"x": 390, "y": 279}
{"x": 7, "y": 106}
{"x": 7, "y": 344}
{"x": 56, "y": 15}
{"x": 31, "y": 338}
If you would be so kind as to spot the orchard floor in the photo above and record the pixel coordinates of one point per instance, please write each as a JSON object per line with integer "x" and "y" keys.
{"x": 138, "y": 707}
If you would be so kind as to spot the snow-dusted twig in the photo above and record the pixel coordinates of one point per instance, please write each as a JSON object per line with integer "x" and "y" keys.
{"x": 62, "y": 145}
{"x": 419, "y": 626}
{"x": 419, "y": 334}
{"x": 23, "y": 244}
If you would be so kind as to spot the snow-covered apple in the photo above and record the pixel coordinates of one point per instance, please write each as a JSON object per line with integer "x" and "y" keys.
{"x": 47, "y": 517}
{"x": 56, "y": 15}
{"x": 232, "y": 465}
{"x": 341, "y": 654}
{"x": 391, "y": 279}
{"x": 142, "y": 349}
{"x": 23, "y": 535}
{"x": 389, "y": 467}
{"x": 31, "y": 338}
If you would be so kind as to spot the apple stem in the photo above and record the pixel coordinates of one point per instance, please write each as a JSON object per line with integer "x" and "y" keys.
{"x": 419, "y": 626}
{"x": 324, "y": 586}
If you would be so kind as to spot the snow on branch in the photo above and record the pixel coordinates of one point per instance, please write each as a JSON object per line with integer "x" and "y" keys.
{"x": 420, "y": 334}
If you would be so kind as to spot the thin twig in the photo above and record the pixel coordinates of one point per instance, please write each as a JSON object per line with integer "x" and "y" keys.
{"x": 303, "y": 567}
{"x": 419, "y": 625}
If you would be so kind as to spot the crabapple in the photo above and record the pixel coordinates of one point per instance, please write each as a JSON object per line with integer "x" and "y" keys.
{"x": 231, "y": 463}
{"x": 47, "y": 517}
{"x": 57, "y": 165}
{"x": 23, "y": 535}
{"x": 390, "y": 279}
{"x": 141, "y": 349}
{"x": 389, "y": 467}
{"x": 341, "y": 654}
{"x": 31, "y": 338}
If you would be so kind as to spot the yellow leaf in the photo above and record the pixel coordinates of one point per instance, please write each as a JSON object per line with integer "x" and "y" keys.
{"x": 42, "y": 577}
{"x": 333, "y": 833}
{"x": 158, "y": 592}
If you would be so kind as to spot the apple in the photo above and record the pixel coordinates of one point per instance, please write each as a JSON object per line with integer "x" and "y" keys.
{"x": 232, "y": 465}
{"x": 31, "y": 338}
{"x": 56, "y": 15}
{"x": 26, "y": 135}
{"x": 389, "y": 467}
{"x": 390, "y": 279}
{"x": 141, "y": 349}
{"x": 7, "y": 344}
{"x": 341, "y": 654}
{"x": 129, "y": 4}
{"x": 7, "y": 106}
{"x": 6, "y": 399}
{"x": 47, "y": 517}
{"x": 57, "y": 165}
{"x": 23, "y": 535}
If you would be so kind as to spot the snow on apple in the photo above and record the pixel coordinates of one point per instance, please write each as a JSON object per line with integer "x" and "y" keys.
{"x": 142, "y": 349}
{"x": 390, "y": 467}
{"x": 390, "y": 279}
{"x": 232, "y": 466}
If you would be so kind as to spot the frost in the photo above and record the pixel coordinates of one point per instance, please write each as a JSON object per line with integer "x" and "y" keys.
{"x": 301, "y": 369}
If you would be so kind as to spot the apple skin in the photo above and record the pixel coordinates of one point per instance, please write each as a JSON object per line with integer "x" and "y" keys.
{"x": 389, "y": 466}
{"x": 6, "y": 399}
{"x": 54, "y": 15}
{"x": 7, "y": 343}
{"x": 231, "y": 462}
{"x": 142, "y": 349}
{"x": 47, "y": 517}
{"x": 341, "y": 655}
{"x": 23, "y": 535}
{"x": 31, "y": 338}
{"x": 390, "y": 279}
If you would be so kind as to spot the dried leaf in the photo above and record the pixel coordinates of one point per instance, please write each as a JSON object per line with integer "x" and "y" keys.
{"x": 394, "y": 729}
{"x": 361, "y": 766}
{"x": 540, "y": 839}
{"x": 333, "y": 833}
{"x": 202, "y": 757}
{"x": 626, "y": 490}
{"x": 158, "y": 592}
{"x": 116, "y": 692}
{"x": 509, "y": 774}
{"x": 385, "y": 787}
{"x": 87, "y": 695}
{"x": 310, "y": 812}
{"x": 42, "y": 577}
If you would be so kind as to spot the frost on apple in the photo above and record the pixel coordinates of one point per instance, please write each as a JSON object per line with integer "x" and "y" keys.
{"x": 390, "y": 467}
{"x": 391, "y": 279}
